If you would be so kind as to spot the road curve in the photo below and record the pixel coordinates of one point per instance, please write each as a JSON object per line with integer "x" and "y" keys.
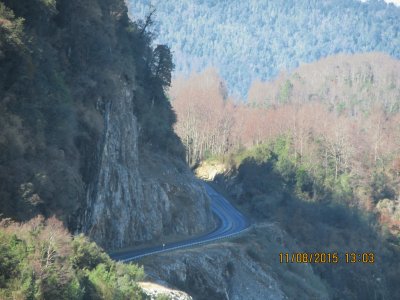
{"x": 230, "y": 223}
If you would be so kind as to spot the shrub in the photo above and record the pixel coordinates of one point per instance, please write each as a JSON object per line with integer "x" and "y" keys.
{"x": 163, "y": 297}
{"x": 41, "y": 260}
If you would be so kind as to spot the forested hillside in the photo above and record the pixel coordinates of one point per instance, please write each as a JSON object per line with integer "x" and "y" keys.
{"x": 348, "y": 84}
{"x": 248, "y": 40}
{"x": 336, "y": 120}
{"x": 270, "y": 185}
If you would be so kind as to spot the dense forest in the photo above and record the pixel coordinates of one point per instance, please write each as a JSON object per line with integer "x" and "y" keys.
{"x": 337, "y": 120}
{"x": 248, "y": 40}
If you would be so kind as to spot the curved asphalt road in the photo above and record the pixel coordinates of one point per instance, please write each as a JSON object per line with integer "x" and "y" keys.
{"x": 231, "y": 222}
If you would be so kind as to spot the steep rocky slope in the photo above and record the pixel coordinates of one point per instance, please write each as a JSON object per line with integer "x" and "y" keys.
{"x": 138, "y": 197}
{"x": 245, "y": 268}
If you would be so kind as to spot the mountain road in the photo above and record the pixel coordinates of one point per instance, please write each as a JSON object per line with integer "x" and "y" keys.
{"x": 230, "y": 223}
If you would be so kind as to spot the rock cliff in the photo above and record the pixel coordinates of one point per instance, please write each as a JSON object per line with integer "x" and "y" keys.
{"x": 139, "y": 196}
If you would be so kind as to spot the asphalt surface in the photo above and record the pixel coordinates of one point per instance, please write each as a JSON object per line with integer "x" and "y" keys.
{"x": 230, "y": 223}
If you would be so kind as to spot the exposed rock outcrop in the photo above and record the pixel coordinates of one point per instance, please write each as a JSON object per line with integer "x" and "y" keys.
{"x": 154, "y": 291}
{"x": 139, "y": 196}
{"x": 207, "y": 170}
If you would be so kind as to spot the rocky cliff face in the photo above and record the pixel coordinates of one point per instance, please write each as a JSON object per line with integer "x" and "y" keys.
{"x": 138, "y": 196}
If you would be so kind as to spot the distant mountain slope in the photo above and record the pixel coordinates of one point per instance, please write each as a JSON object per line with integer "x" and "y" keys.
{"x": 353, "y": 83}
{"x": 257, "y": 39}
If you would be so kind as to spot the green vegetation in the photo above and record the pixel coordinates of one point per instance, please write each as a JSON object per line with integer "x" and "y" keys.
{"x": 163, "y": 297}
{"x": 248, "y": 40}
{"x": 41, "y": 260}
{"x": 275, "y": 165}
{"x": 162, "y": 65}
{"x": 300, "y": 178}
{"x": 317, "y": 211}
{"x": 286, "y": 92}
{"x": 11, "y": 30}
